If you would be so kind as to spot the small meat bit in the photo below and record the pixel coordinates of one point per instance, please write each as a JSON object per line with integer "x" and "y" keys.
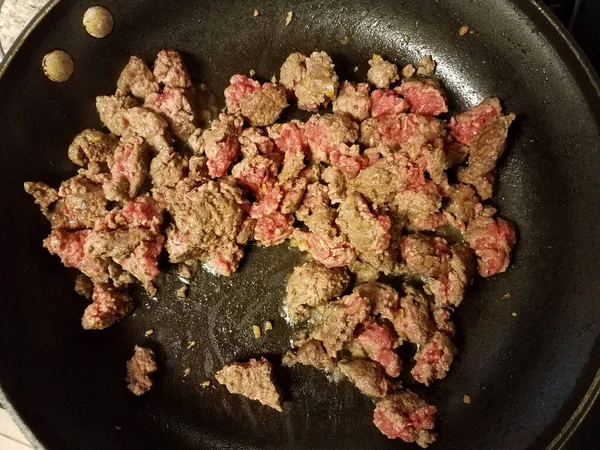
{"x": 312, "y": 79}
{"x": 170, "y": 70}
{"x": 378, "y": 342}
{"x": 178, "y": 108}
{"x": 252, "y": 379}
{"x": 136, "y": 79}
{"x": 92, "y": 146}
{"x": 408, "y": 71}
{"x": 424, "y": 96}
{"x": 367, "y": 376}
{"x": 311, "y": 353}
{"x": 84, "y": 286}
{"x": 139, "y": 368}
{"x": 108, "y": 307}
{"x": 221, "y": 145}
{"x": 311, "y": 286}
{"x": 382, "y": 73}
{"x": 353, "y": 99}
{"x": 464, "y": 126}
{"x": 406, "y": 416}
{"x": 413, "y": 321}
{"x": 128, "y": 169}
{"x": 433, "y": 360}
{"x": 426, "y": 66}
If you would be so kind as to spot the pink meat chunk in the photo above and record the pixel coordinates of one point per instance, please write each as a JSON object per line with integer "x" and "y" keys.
{"x": 353, "y": 100}
{"x": 170, "y": 70}
{"x": 261, "y": 104}
{"x": 327, "y": 132}
{"x": 387, "y": 103}
{"x": 443, "y": 322}
{"x": 108, "y": 307}
{"x": 178, "y": 108}
{"x": 406, "y": 416}
{"x": 255, "y": 172}
{"x": 348, "y": 160}
{"x": 433, "y": 360}
{"x": 424, "y": 97}
{"x": 492, "y": 240}
{"x": 413, "y": 322}
{"x": 221, "y": 145}
{"x": 269, "y": 198}
{"x": 465, "y": 126}
{"x": 378, "y": 343}
{"x": 450, "y": 289}
{"x": 273, "y": 229}
{"x": 328, "y": 248}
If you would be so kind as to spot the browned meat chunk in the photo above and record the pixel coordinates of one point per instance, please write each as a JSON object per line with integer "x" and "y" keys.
{"x": 43, "y": 195}
{"x": 353, "y": 99}
{"x": 92, "y": 146}
{"x": 462, "y": 203}
{"x": 492, "y": 239}
{"x": 378, "y": 342}
{"x": 368, "y": 232}
{"x": 260, "y": 104}
{"x": 136, "y": 79}
{"x": 367, "y": 376}
{"x": 425, "y": 255}
{"x": 485, "y": 149}
{"x": 108, "y": 307}
{"x": 178, "y": 108}
{"x": 424, "y": 97}
{"x": 465, "y": 126}
{"x": 207, "y": 221}
{"x": 336, "y": 184}
{"x": 254, "y": 380}
{"x": 378, "y": 183}
{"x": 111, "y": 109}
{"x": 139, "y": 368}
{"x": 443, "y": 323}
{"x": 221, "y": 145}
{"x": 167, "y": 169}
{"x": 128, "y": 170}
{"x": 339, "y": 321}
{"x": 413, "y": 321}
{"x": 382, "y": 73}
{"x": 170, "y": 70}
{"x": 384, "y": 299}
{"x": 84, "y": 286}
{"x": 315, "y": 211}
{"x": 426, "y": 66}
{"x": 406, "y": 416}
{"x": 310, "y": 353}
{"x": 150, "y": 126}
{"x": 253, "y": 141}
{"x": 329, "y": 133}
{"x": 255, "y": 173}
{"x": 311, "y": 286}
{"x": 293, "y": 193}
{"x": 433, "y": 359}
{"x": 450, "y": 289}
{"x": 311, "y": 79}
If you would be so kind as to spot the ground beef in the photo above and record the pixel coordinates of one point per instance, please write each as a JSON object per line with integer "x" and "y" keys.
{"x": 368, "y": 232}
{"x": 462, "y": 203}
{"x": 378, "y": 183}
{"x": 315, "y": 211}
{"x": 339, "y": 321}
{"x": 253, "y": 379}
{"x": 464, "y": 127}
{"x": 273, "y": 229}
{"x": 484, "y": 150}
{"x": 424, "y": 96}
{"x": 326, "y": 133}
{"x": 310, "y": 353}
{"x": 353, "y": 99}
{"x": 408, "y": 71}
{"x": 260, "y": 104}
{"x": 43, "y": 195}
{"x": 136, "y": 79}
{"x": 327, "y": 247}
{"x": 367, "y": 376}
{"x": 443, "y": 323}
{"x": 348, "y": 160}
{"x": 433, "y": 360}
{"x": 253, "y": 141}
{"x": 170, "y": 70}
{"x": 177, "y": 106}
{"x": 221, "y": 145}
{"x": 450, "y": 289}
{"x": 492, "y": 240}
{"x": 139, "y": 368}
{"x": 206, "y": 222}
{"x": 293, "y": 164}
{"x": 150, "y": 126}
{"x": 311, "y": 286}
{"x": 382, "y": 73}
{"x": 378, "y": 342}
{"x": 413, "y": 321}
{"x": 84, "y": 286}
{"x": 384, "y": 299}
{"x": 293, "y": 194}
{"x": 426, "y": 66}
{"x": 387, "y": 103}
{"x": 92, "y": 146}
{"x": 128, "y": 170}
{"x": 312, "y": 80}
{"x": 108, "y": 307}
{"x": 425, "y": 255}
{"x": 111, "y": 109}
{"x": 406, "y": 416}
{"x": 255, "y": 173}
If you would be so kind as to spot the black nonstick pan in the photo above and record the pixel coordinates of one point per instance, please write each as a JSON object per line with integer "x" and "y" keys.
{"x": 531, "y": 376}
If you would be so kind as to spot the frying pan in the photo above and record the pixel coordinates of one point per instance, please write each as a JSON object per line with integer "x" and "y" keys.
{"x": 531, "y": 376}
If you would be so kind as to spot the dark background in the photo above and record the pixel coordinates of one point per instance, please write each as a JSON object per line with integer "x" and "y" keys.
{"x": 582, "y": 18}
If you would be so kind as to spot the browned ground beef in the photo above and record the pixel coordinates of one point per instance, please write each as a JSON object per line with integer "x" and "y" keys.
{"x": 381, "y": 185}
{"x": 253, "y": 379}
{"x": 139, "y": 368}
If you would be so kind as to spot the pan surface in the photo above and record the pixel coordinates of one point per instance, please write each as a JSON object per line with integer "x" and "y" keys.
{"x": 526, "y": 374}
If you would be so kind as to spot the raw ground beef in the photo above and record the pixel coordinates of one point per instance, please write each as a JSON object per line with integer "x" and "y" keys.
{"x": 380, "y": 185}
{"x": 139, "y": 369}
{"x": 406, "y": 416}
{"x": 253, "y": 379}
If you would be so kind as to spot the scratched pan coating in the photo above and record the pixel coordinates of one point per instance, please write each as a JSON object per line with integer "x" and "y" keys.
{"x": 525, "y": 374}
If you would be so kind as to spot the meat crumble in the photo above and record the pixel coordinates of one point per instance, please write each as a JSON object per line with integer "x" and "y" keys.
{"x": 382, "y": 183}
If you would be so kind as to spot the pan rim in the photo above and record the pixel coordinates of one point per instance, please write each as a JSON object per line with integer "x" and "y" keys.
{"x": 592, "y": 393}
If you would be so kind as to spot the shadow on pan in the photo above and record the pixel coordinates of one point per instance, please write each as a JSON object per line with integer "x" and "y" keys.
{"x": 526, "y": 375}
